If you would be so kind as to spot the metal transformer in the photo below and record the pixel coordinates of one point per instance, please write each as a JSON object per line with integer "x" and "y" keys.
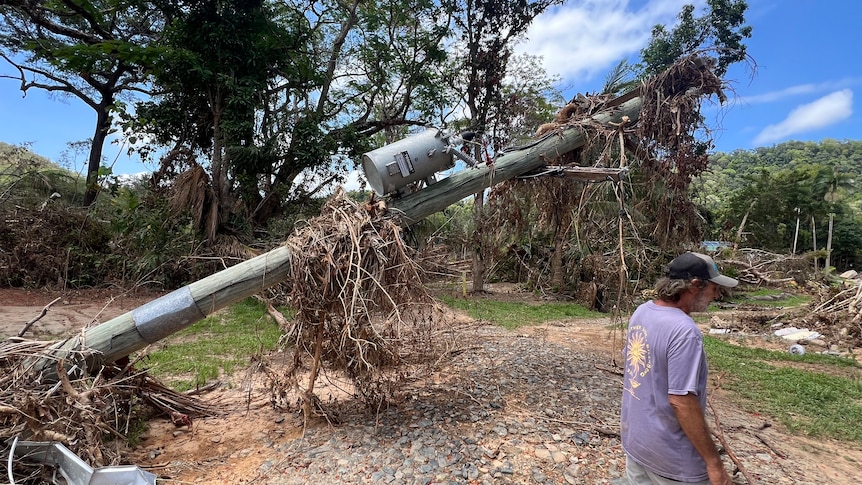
{"x": 413, "y": 159}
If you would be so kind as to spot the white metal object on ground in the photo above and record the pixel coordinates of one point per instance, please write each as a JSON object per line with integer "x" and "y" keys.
{"x": 74, "y": 470}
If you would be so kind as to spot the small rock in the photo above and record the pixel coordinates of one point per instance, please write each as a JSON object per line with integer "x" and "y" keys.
{"x": 542, "y": 454}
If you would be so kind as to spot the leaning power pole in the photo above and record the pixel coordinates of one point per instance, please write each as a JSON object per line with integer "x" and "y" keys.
{"x": 397, "y": 170}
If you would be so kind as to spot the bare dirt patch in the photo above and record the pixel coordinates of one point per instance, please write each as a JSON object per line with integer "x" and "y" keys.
{"x": 71, "y": 312}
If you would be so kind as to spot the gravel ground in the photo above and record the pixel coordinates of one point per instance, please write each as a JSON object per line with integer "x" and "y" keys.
{"x": 512, "y": 409}
{"x": 535, "y": 406}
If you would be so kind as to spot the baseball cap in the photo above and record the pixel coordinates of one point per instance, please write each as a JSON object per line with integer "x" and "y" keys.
{"x": 695, "y": 265}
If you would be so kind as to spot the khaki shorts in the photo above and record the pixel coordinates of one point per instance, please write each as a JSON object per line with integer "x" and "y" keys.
{"x": 638, "y": 475}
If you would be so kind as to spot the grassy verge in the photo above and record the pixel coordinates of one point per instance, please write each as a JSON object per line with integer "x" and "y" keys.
{"x": 770, "y": 297}
{"x": 812, "y": 403}
{"x": 512, "y": 315}
{"x": 214, "y": 346}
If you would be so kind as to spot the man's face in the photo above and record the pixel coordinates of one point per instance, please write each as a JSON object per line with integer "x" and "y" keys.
{"x": 704, "y": 297}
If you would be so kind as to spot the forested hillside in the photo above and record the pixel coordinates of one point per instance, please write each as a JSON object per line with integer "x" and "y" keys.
{"x": 771, "y": 187}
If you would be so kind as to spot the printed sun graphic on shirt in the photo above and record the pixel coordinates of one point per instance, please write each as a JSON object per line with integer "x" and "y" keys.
{"x": 638, "y": 362}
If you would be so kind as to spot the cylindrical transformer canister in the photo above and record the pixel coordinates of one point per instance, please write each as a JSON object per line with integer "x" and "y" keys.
{"x": 403, "y": 162}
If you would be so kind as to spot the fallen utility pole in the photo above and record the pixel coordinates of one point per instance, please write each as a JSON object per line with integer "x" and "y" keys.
{"x": 179, "y": 309}
{"x": 438, "y": 196}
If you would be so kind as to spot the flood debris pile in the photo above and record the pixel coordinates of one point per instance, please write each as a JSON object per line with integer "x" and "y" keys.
{"x": 837, "y": 312}
{"x": 362, "y": 311}
{"x": 45, "y": 398}
{"x": 830, "y": 323}
{"x": 642, "y": 214}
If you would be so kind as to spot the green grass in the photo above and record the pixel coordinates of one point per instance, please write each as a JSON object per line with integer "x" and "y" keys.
{"x": 512, "y": 315}
{"x": 788, "y": 301}
{"x": 214, "y": 346}
{"x": 807, "y": 402}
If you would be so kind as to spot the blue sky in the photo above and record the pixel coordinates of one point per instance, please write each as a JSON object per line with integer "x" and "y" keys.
{"x": 803, "y": 87}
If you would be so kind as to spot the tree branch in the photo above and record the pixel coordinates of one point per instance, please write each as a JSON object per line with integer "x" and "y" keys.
{"x": 39, "y": 317}
{"x": 720, "y": 435}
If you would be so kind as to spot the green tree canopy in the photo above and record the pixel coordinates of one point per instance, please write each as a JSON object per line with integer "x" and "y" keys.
{"x": 94, "y": 50}
{"x": 720, "y": 30}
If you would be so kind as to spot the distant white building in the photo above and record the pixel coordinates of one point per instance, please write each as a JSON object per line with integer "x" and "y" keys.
{"x": 713, "y": 246}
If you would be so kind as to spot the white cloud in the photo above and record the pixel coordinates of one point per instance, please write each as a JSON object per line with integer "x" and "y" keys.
{"x": 583, "y": 39}
{"x": 828, "y": 110}
{"x": 353, "y": 182}
{"x": 798, "y": 90}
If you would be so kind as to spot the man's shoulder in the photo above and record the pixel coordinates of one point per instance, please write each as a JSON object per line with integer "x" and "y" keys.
{"x": 658, "y": 306}
{"x": 651, "y": 314}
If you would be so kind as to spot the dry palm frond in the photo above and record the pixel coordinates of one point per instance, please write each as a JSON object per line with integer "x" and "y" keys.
{"x": 192, "y": 191}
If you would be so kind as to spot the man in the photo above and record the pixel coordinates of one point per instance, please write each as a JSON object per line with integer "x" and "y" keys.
{"x": 663, "y": 422}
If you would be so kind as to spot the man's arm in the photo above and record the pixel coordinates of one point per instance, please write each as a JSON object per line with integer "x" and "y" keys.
{"x": 693, "y": 422}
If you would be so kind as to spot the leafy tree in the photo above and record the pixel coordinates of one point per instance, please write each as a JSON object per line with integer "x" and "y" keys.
{"x": 220, "y": 58}
{"x": 487, "y": 32}
{"x": 529, "y": 97}
{"x": 93, "y": 50}
{"x": 771, "y": 200}
{"x": 720, "y": 29}
{"x": 283, "y": 96}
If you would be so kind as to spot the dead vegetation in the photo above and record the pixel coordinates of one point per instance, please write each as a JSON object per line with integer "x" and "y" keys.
{"x": 50, "y": 247}
{"x": 836, "y": 307}
{"x": 93, "y": 413}
{"x": 361, "y": 311}
{"x": 601, "y": 234}
{"x": 361, "y": 307}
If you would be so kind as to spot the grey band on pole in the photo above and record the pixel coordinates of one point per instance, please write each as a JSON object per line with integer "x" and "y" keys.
{"x": 166, "y": 315}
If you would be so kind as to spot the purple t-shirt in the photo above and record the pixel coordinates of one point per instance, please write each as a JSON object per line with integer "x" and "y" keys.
{"x": 663, "y": 355}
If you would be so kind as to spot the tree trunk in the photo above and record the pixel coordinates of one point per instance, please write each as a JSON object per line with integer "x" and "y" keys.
{"x": 796, "y": 233}
{"x": 479, "y": 242}
{"x": 94, "y": 162}
{"x": 814, "y": 241}
{"x": 219, "y": 172}
{"x": 557, "y": 279}
{"x": 828, "y": 266}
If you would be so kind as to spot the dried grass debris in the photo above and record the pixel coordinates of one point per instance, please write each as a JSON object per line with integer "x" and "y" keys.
{"x": 91, "y": 414}
{"x": 647, "y": 214}
{"x": 361, "y": 307}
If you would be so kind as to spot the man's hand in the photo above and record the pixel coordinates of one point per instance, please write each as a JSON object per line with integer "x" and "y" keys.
{"x": 718, "y": 475}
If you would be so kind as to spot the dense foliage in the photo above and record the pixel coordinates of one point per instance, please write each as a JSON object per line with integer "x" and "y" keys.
{"x": 772, "y": 188}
